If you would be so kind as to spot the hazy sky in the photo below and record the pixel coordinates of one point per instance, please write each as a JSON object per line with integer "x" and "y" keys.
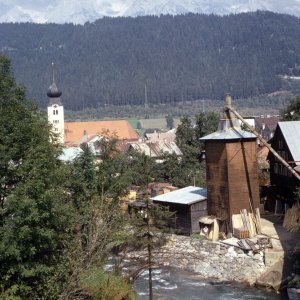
{"x": 83, "y": 10}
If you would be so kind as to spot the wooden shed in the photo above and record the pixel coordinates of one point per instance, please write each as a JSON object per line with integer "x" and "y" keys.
{"x": 189, "y": 203}
{"x": 232, "y": 172}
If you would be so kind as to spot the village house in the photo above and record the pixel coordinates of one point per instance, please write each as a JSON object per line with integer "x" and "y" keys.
{"x": 286, "y": 142}
{"x": 189, "y": 204}
{"x": 265, "y": 125}
{"x": 158, "y": 136}
{"x": 69, "y": 154}
{"x": 154, "y": 149}
{"x": 77, "y": 133}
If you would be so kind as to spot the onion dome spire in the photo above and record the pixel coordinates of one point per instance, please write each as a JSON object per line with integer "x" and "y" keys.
{"x": 53, "y": 92}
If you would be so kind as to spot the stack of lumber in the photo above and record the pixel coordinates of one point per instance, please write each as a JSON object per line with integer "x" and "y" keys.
{"x": 241, "y": 233}
{"x": 246, "y": 224}
{"x": 292, "y": 219}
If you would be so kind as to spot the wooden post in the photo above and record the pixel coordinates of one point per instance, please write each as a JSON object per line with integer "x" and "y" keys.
{"x": 149, "y": 237}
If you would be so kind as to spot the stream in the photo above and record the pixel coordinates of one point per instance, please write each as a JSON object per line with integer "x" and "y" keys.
{"x": 173, "y": 284}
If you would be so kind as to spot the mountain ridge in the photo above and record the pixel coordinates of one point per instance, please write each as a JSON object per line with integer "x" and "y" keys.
{"x": 179, "y": 58}
{"x": 80, "y": 12}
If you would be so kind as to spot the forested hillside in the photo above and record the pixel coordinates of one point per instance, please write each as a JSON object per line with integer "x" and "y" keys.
{"x": 178, "y": 57}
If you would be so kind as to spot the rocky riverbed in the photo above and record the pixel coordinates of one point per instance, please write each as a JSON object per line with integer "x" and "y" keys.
{"x": 210, "y": 260}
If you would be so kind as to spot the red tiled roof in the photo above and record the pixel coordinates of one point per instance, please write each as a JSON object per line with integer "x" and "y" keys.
{"x": 79, "y": 132}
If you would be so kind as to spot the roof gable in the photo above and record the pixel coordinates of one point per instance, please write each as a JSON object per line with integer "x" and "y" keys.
{"x": 291, "y": 133}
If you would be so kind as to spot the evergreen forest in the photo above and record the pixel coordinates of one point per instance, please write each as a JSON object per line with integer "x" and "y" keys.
{"x": 179, "y": 58}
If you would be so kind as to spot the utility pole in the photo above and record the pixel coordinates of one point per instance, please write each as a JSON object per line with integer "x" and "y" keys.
{"x": 149, "y": 247}
{"x": 146, "y": 97}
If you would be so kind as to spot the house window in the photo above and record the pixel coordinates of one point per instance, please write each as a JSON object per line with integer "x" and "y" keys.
{"x": 55, "y": 111}
{"x": 56, "y": 129}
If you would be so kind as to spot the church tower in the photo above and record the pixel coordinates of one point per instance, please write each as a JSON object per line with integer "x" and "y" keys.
{"x": 56, "y": 109}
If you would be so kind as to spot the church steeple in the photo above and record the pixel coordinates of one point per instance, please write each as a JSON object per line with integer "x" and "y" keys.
{"x": 53, "y": 92}
{"x": 56, "y": 109}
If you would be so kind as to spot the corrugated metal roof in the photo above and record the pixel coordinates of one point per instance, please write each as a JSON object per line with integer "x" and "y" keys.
{"x": 188, "y": 195}
{"x": 156, "y": 149}
{"x": 168, "y": 136}
{"x": 291, "y": 133}
{"x": 69, "y": 154}
{"x": 232, "y": 133}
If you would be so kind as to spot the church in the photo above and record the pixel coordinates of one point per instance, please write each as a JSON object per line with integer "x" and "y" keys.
{"x": 73, "y": 134}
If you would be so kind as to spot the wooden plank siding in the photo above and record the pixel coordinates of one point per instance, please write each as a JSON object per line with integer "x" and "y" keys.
{"x": 216, "y": 168}
{"x": 242, "y": 176}
{"x": 197, "y": 210}
{"x": 283, "y": 183}
{"x": 232, "y": 177}
{"x": 186, "y": 220}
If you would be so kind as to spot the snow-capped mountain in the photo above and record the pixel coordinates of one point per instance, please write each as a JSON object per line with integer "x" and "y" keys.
{"x": 81, "y": 11}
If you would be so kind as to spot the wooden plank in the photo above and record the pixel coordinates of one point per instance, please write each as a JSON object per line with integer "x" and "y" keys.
{"x": 242, "y": 243}
{"x": 251, "y": 245}
{"x": 258, "y": 220}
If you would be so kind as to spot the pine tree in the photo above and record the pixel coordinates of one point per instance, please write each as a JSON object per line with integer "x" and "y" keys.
{"x": 292, "y": 111}
{"x": 34, "y": 209}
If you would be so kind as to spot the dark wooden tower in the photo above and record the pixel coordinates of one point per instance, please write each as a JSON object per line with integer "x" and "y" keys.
{"x": 232, "y": 174}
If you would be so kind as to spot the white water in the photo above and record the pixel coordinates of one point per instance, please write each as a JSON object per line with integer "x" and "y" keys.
{"x": 179, "y": 285}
